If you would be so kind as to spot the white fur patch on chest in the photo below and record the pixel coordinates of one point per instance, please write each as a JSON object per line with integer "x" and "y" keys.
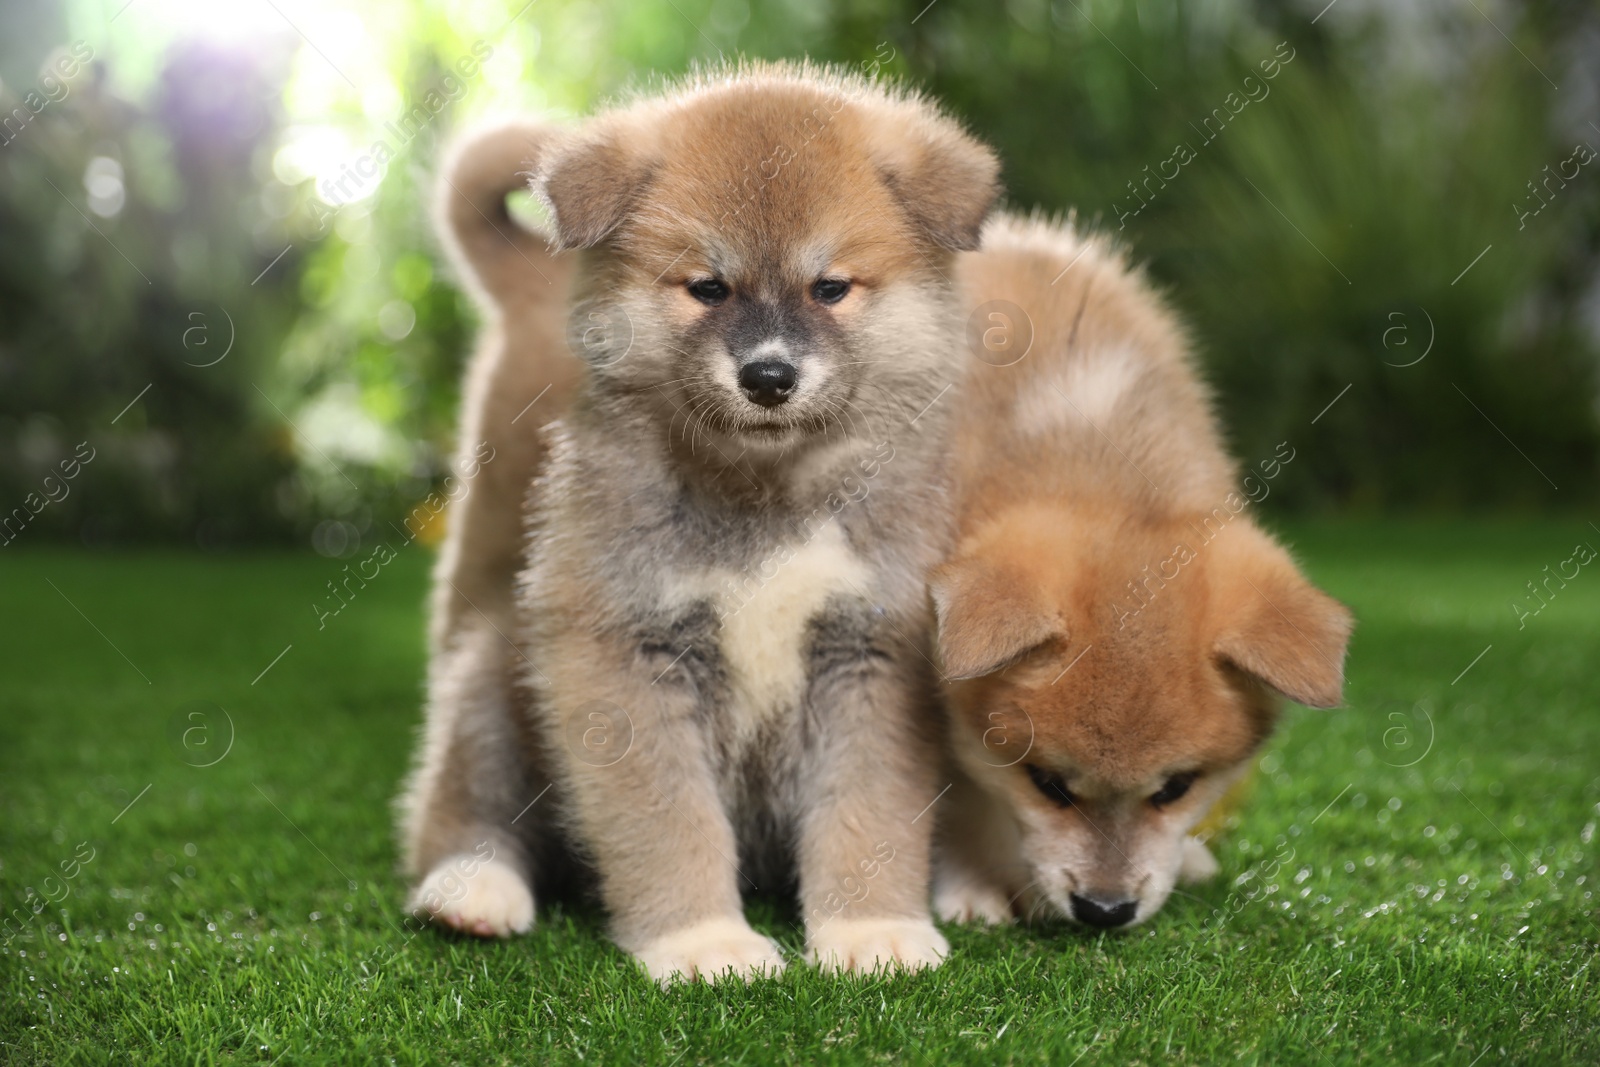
{"x": 1088, "y": 389}
{"x": 765, "y": 610}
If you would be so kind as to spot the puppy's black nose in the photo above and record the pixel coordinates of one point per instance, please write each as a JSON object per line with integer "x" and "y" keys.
{"x": 1096, "y": 913}
{"x": 768, "y": 382}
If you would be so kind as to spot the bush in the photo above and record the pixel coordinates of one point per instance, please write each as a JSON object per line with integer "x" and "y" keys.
{"x": 1324, "y": 201}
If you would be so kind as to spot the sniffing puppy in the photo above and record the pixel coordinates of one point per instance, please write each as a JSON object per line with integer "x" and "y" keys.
{"x": 724, "y": 608}
{"x": 474, "y": 761}
{"x": 1116, "y": 630}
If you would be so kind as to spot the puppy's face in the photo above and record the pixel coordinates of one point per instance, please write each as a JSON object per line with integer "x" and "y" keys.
{"x": 1109, "y": 719}
{"x": 771, "y": 250}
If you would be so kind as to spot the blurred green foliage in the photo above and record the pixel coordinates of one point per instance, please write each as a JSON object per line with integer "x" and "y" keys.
{"x": 1311, "y": 194}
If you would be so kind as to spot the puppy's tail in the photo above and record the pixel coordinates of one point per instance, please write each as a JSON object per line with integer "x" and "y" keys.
{"x": 501, "y": 257}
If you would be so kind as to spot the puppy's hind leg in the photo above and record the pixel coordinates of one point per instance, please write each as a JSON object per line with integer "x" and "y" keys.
{"x": 473, "y": 780}
{"x": 474, "y": 775}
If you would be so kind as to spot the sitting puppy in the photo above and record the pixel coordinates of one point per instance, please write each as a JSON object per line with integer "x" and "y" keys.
{"x": 1114, "y": 631}
{"x": 724, "y": 608}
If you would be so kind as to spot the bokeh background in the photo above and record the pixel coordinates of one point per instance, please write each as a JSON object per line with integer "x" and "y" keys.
{"x": 1403, "y": 221}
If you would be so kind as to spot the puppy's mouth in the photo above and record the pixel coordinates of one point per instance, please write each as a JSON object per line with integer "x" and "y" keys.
{"x": 772, "y": 430}
{"x": 767, "y": 428}
{"x": 705, "y": 409}
{"x": 750, "y": 423}
{"x": 800, "y": 427}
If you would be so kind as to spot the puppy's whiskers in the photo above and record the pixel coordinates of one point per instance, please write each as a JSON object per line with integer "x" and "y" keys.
{"x": 870, "y": 417}
{"x": 695, "y": 408}
{"x": 1039, "y": 901}
{"x": 836, "y": 412}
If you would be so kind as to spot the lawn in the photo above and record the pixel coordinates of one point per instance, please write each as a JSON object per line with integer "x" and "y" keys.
{"x": 1412, "y": 882}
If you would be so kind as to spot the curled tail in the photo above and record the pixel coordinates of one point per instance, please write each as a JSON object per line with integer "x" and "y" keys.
{"x": 502, "y": 258}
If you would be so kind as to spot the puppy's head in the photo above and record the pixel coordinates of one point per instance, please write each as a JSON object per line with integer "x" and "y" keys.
{"x": 768, "y": 249}
{"x": 1114, "y": 678}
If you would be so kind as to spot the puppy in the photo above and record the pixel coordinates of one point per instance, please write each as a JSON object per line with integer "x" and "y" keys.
{"x": 1115, "y": 632}
{"x": 470, "y": 778}
{"x": 724, "y": 607}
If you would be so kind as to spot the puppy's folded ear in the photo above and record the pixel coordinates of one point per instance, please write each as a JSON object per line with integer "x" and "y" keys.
{"x": 989, "y": 617}
{"x": 945, "y": 180}
{"x": 590, "y": 181}
{"x": 1275, "y": 625}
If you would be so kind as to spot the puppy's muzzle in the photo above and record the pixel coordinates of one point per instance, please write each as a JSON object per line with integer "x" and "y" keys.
{"x": 1101, "y": 913}
{"x": 768, "y": 382}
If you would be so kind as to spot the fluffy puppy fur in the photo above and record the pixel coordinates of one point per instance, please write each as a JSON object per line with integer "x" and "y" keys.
{"x": 473, "y": 762}
{"x": 1115, "y": 631}
{"x": 723, "y": 611}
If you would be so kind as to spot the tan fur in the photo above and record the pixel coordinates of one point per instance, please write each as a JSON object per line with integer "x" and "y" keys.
{"x": 782, "y": 733}
{"x": 1109, "y": 615}
{"x": 764, "y": 727}
{"x": 469, "y": 782}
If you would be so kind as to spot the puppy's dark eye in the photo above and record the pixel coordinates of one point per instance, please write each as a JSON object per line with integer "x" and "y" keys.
{"x": 1175, "y": 788}
{"x": 830, "y": 290}
{"x": 1052, "y": 785}
{"x": 709, "y": 291}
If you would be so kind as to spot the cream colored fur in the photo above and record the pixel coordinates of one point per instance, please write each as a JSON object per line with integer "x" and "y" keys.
{"x": 714, "y": 950}
{"x": 764, "y": 619}
{"x": 841, "y": 756}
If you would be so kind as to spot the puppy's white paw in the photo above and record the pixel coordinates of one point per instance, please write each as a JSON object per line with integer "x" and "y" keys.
{"x": 972, "y": 902}
{"x": 1198, "y": 864}
{"x": 712, "y": 951}
{"x": 486, "y": 898}
{"x": 861, "y": 946}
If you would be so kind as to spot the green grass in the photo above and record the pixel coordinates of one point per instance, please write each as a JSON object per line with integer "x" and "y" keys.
{"x": 246, "y": 912}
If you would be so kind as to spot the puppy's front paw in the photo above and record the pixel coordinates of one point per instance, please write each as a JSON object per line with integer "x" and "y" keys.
{"x": 1197, "y": 864}
{"x": 861, "y": 946}
{"x": 972, "y": 902}
{"x": 486, "y": 898}
{"x": 711, "y": 951}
